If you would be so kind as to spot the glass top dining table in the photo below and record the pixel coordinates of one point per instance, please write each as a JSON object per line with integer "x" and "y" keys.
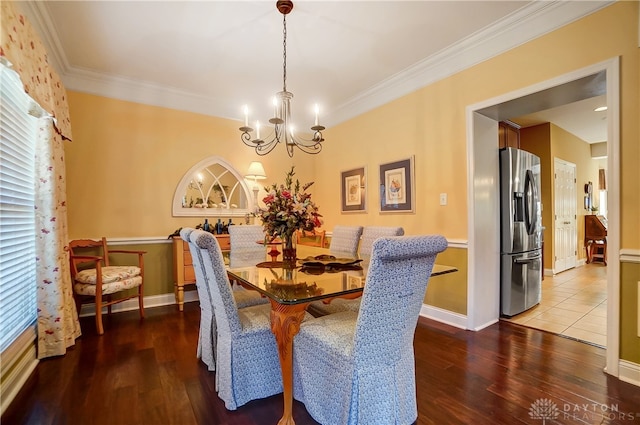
{"x": 314, "y": 277}
{"x": 290, "y": 288}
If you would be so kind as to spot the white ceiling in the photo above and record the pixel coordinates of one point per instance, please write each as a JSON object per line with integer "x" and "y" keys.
{"x": 578, "y": 118}
{"x": 212, "y": 57}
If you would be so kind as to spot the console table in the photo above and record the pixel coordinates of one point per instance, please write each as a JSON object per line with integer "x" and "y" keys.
{"x": 183, "y": 273}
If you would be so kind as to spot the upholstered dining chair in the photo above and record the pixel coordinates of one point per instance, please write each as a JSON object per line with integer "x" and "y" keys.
{"x": 247, "y": 363}
{"x": 96, "y": 280}
{"x": 246, "y": 237}
{"x": 369, "y": 235}
{"x": 345, "y": 240}
{"x": 358, "y": 367}
{"x": 207, "y": 334}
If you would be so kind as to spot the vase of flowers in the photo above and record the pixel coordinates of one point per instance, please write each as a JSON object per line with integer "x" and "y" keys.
{"x": 289, "y": 249}
{"x": 288, "y": 208}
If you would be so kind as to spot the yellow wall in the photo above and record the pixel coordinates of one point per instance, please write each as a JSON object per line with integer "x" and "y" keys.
{"x": 449, "y": 291}
{"x": 549, "y": 141}
{"x": 537, "y": 140}
{"x": 431, "y": 124}
{"x": 126, "y": 159}
{"x": 629, "y": 340}
{"x": 570, "y": 148}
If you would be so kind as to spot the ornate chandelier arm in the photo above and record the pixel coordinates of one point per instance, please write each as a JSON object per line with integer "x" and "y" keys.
{"x": 282, "y": 127}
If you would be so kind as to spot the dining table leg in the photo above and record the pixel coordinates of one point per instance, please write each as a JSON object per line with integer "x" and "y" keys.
{"x": 285, "y": 324}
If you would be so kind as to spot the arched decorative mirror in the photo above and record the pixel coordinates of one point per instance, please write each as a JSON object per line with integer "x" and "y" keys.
{"x": 212, "y": 188}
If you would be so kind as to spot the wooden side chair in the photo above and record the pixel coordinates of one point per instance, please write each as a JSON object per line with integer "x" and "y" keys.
{"x": 311, "y": 237}
{"x": 95, "y": 280}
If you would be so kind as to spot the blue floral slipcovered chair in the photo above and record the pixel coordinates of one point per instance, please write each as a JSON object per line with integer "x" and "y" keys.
{"x": 244, "y": 244}
{"x": 345, "y": 240}
{"x": 358, "y": 367}
{"x": 247, "y": 363}
{"x": 246, "y": 237}
{"x": 369, "y": 235}
{"x": 207, "y": 335}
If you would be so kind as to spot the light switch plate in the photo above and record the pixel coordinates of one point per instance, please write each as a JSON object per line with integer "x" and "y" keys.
{"x": 443, "y": 199}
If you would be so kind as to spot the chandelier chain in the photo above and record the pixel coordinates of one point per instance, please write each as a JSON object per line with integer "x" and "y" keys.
{"x": 282, "y": 130}
{"x": 284, "y": 54}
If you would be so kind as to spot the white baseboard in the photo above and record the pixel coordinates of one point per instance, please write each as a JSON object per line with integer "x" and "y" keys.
{"x": 444, "y": 316}
{"x": 149, "y": 302}
{"x": 629, "y": 372}
{"x": 428, "y": 311}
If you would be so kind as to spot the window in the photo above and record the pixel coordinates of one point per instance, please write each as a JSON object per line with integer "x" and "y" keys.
{"x": 17, "y": 215}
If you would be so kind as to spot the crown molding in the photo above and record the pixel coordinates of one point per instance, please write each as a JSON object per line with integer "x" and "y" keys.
{"x": 528, "y": 23}
{"x": 40, "y": 19}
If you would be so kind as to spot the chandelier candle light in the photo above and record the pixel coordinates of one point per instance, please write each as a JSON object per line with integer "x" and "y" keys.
{"x": 283, "y": 129}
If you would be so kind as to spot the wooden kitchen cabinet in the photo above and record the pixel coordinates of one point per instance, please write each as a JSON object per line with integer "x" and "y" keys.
{"x": 183, "y": 273}
{"x": 508, "y": 135}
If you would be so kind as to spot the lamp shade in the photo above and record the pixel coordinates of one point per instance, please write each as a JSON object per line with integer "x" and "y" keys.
{"x": 256, "y": 171}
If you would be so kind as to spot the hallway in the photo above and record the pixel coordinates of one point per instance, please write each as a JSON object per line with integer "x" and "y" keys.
{"x": 574, "y": 304}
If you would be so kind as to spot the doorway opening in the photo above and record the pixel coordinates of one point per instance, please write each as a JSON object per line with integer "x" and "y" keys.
{"x": 483, "y": 198}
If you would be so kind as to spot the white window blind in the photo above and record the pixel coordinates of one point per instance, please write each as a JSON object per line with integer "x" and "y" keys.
{"x": 17, "y": 215}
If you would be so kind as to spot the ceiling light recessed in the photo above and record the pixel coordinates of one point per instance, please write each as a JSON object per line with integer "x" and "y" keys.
{"x": 600, "y": 109}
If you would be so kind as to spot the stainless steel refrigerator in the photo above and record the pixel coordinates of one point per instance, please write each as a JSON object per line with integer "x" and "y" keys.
{"x": 520, "y": 231}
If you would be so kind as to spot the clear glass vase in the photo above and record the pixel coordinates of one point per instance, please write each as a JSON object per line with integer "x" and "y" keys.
{"x": 289, "y": 248}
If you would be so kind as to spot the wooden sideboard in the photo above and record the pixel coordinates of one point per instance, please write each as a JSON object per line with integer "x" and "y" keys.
{"x": 183, "y": 273}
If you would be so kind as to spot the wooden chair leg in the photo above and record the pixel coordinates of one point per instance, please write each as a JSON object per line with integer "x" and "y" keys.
{"x": 99, "y": 327}
{"x": 141, "y": 302}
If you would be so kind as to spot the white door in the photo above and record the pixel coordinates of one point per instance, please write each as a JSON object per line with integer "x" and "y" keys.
{"x": 565, "y": 233}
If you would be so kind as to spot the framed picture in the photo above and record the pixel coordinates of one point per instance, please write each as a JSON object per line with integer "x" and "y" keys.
{"x": 353, "y": 190}
{"x": 397, "y": 186}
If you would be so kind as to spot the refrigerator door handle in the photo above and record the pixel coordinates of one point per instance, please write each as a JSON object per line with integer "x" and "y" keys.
{"x": 530, "y": 204}
{"x": 526, "y": 259}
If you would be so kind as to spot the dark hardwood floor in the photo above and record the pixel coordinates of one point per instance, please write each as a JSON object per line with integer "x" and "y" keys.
{"x": 146, "y": 372}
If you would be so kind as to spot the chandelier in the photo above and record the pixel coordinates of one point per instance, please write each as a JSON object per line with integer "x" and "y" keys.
{"x": 283, "y": 130}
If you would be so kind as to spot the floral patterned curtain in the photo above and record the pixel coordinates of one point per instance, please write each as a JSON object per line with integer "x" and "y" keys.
{"x": 22, "y": 46}
{"x": 58, "y": 325}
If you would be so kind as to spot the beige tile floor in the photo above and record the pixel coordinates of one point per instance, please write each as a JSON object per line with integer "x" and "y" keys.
{"x": 574, "y": 304}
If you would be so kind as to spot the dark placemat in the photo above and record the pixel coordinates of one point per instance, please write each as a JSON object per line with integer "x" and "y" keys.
{"x": 275, "y": 265}
{"x": 329, "y": 268}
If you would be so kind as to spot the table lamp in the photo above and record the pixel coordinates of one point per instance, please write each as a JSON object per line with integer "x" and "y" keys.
{"x": 256, "y": 172}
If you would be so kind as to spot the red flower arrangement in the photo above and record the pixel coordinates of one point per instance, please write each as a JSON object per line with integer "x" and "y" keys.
{"x": 288, "y": 208}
